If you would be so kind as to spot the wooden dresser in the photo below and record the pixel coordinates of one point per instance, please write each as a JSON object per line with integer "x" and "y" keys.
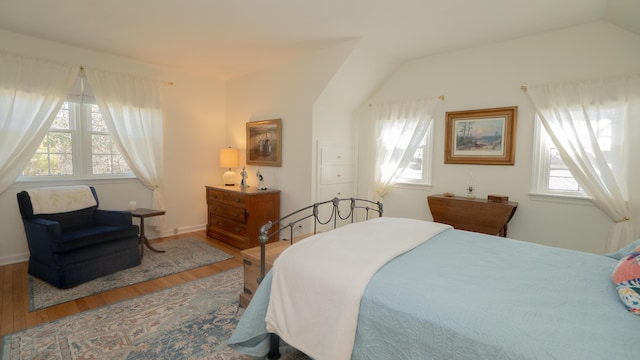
{"x": 236, "y": 214}
{"x": 478, "y": 215}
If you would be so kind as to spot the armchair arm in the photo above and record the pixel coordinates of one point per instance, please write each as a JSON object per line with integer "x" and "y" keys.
{"x": 41, "y": 234}
{"x": 112, "y": 217}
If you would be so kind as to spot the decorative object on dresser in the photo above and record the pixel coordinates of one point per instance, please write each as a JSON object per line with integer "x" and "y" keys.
{"x": 478, "y": 215}
{"x": 261, "y": 185}
{"x": 235, "y": 214}
{"x": 229, "y": 159}
{"x": 264, "y": 142}
{"x": 485, "y": 136}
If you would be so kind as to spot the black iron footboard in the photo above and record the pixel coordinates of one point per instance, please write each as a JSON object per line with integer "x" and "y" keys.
{"x": 358, "y": 209}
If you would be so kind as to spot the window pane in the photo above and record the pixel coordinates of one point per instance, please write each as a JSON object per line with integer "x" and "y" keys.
{"x": 37, "y": 166}
{"x": 120, "y": 166}
{"x": 414, "y": 168}
{"x": 97, "y": 124}
{"x": 101, "y": 164}
{"x": 53, "y": 156}
{"x": 61, "y": 164}
{"x": 100, "y": 144}
{"x": 62, "y": 120}
{"x": 105, "y": 157}
{"x": 59, "y": 142}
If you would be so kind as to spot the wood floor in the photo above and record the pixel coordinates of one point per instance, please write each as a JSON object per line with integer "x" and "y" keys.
{"x": 14, "y": 289}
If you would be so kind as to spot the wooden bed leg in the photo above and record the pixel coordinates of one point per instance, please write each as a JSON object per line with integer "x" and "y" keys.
{"x": 274, "y": 347}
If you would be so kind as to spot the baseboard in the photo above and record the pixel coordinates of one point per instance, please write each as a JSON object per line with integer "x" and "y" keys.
{"x": 13, "y": 259}
{"x": 182, "y": 230}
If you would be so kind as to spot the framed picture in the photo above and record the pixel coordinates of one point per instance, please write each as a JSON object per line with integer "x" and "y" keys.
{"x": 485, "y": 136}
{"x": 264, "y": 142}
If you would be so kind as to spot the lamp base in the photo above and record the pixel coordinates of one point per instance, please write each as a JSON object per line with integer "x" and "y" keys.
{"x": 229, "y": 178}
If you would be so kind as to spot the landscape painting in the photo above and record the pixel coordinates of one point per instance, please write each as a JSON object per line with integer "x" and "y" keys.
{"x": 485, "y": 136}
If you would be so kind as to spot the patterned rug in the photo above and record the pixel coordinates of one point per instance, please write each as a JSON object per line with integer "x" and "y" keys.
{"x": 181, "y": 255}
{"x": 189, "y": 321}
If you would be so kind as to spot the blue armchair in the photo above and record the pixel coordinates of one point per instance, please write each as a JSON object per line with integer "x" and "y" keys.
{"x": 72, "y": 247}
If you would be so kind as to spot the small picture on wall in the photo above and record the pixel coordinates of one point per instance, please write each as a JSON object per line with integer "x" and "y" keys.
{"x": 485, "y": 136}
{"x": 264, "y": 142}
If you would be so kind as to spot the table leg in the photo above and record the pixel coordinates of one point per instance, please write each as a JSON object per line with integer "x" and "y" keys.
{"x": 144, "y": 240}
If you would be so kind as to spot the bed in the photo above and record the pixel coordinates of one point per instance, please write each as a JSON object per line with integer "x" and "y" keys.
{"x": 452, "y": 295}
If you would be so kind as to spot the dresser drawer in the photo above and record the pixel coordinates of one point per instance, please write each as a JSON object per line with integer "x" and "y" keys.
{"x": 229, "y": 225}
{"x": 226, "y": 197}
{"x": 230, "y": 237}
{"x": 230, "y": 212}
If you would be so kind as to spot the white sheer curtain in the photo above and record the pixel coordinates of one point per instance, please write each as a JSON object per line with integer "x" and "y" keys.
{"x": 399, "y": 128}
{"x": 571, "y": 113}
{"x": 31, "y": 93}
{"x": 132, "y": 110}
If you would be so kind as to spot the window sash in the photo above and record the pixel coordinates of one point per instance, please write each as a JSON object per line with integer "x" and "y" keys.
{"x": 552, "y": 176}
{"x": 80, "y": 121}
{"x": 422, "y": 177}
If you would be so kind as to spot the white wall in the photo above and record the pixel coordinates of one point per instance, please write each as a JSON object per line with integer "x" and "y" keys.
{"x": 364, "y": 69}
{"x": 491, "y": 76}
{"x": 288, "y": 92}
{"x": 194, "y": 132}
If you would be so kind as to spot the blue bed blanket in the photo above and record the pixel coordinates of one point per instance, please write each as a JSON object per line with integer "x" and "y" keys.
{"x": 466, "y": 295}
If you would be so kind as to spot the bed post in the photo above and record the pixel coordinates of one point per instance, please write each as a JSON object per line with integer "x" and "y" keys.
{"x": 274, "y": 346}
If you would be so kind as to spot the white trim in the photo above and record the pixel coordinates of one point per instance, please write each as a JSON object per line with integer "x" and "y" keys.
{"x": 14, "y": 259}
{"x": 182, "y": 230}
{"x": 32, "y": 183}
{"x": 557, "y": 198}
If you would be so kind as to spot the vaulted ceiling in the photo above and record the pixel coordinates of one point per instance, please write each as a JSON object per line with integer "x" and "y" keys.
{"x": 224, "y": 39}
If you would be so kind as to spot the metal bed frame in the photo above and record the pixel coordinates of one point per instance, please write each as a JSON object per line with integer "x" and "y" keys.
{"x": 292, "y": 221}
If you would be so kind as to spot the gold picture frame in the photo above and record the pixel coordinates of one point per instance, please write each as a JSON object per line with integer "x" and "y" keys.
{"x": 484, "y": 136}
{"x": 264, "y": 142}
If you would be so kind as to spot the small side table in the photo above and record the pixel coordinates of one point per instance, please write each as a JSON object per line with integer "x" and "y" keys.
{"x": 143, "y": 213}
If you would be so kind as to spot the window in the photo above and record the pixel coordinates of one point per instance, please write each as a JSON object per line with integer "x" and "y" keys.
{"x": 417, "y": 171}
{"x": 551, "y": 174}
{"x": 77, "y": 145}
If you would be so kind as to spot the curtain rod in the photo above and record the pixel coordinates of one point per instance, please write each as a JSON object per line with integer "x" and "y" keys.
{"x": 169, "y": 82}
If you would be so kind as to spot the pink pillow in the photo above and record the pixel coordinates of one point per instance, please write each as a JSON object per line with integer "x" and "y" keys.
{"x": 626, "y": 277}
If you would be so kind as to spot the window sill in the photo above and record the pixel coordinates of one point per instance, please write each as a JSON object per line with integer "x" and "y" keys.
{"x": 412, "y": 186}
{"x": 563, "y": 199}
{"x": 73, "y": 181}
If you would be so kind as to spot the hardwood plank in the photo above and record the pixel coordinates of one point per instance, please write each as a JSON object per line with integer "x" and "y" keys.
{"x": 14, "y": 299}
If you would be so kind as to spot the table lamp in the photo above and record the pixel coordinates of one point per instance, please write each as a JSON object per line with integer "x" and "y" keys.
{"x": 229, "y": 159}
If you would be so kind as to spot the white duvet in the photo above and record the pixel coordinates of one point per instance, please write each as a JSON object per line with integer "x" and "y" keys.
{"x": 318, "y": 283}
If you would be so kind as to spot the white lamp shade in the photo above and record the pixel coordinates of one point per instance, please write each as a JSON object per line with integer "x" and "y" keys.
{"x": 229, "y": 158}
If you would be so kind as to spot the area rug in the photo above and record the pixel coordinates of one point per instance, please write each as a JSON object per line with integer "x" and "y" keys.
{"x": 193, "y": 320}
{"x": 181, "y": 255}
